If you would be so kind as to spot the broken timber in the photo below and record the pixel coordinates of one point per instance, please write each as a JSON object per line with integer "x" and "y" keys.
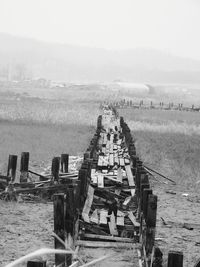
{"x": 115, "y": 211}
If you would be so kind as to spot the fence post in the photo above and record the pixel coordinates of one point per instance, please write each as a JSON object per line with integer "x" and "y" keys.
{"x": 24, "y": 167}
{"x": 175, "y": 259}
{"x": 12, "y": 166}
{"x": 55, "y": 168}
{"x": 58, "y": 204}
{"x": 64, "y": 163}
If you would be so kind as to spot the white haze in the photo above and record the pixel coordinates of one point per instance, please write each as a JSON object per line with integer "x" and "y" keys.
{"x": 169, "y": 25}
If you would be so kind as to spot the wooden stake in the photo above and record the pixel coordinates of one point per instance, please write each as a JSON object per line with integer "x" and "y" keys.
{"x": 151, "y": 211}
{"x": 175, "y": 259}
{"x": 55, "y": 168}
{"x": 12, "y": 166}
{"x": 59, "y": 225}
{"x": 83, "y": 182}
{"x": 64, "y": 163}
{"x": 146, "y": 193}
{"x": 70, "y": 217}
{"x": 24, "y": 167}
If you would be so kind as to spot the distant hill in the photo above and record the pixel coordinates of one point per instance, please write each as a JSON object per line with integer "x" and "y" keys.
{"x": 24, "y": 58}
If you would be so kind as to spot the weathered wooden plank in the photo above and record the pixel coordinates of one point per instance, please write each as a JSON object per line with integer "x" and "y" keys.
{"x": 130, "y": 178}
{"x": 119, "y": 174}
{"x": 133, "y": 219}
{"x": 120, "y": 218}
{"x": 88, "y": 204}
{"x": 103, "y": 216}
{"x": 111, "y": 160}
{"x": 112, "y": 225}
{"x": 101, "y": 244}
{"x": 109, "y": 238}
{"x": 121, "y": 162}
{"x": 100, "y": 180}
{"x": 94, "y": 217}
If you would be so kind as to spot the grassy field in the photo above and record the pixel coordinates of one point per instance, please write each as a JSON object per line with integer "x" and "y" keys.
{"x": 168, "y": 141}
{"x": 48, "y": 122}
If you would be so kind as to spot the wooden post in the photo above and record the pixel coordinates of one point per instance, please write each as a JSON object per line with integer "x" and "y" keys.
{"x": 86, "y": 155}
{"x": 12, "y": 166}
{"x": 24, "y": 167}
{"x": 150, "y": 223}
{"x": 70, "y": 217}
{"x": 82, "y": 177}
{"x": 175, "y": 259}
{"x": 64, "y": 163}
{"x": 36, "y": 264}
{"x": 142, "y": 188}
{"x": 59, "y": 225}
{"x": 55, "y": 168}
{"x": 146, "y": 193}
{"x": 151, "y": 211}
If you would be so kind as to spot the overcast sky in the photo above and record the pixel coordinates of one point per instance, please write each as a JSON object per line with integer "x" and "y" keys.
{"x": 170, "y": 25}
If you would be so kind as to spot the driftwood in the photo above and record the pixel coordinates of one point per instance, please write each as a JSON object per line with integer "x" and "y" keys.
{"x": 189, "y": 226}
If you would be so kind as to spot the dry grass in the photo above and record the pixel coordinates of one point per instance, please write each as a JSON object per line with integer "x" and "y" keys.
{"x": 42, "y": 141}
{"x": 169, "y": 141}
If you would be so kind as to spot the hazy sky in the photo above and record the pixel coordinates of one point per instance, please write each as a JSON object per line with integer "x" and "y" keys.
{"x": 171, "y": 25}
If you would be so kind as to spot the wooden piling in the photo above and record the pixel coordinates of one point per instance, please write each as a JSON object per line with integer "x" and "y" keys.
{"x": 146, "y": 193}
{"x": 64, "y": 163}
{"x": 59, "y": 225}
{"x": 82, "y": 177}
{"x": 12, "y": 166}
{"x": 151, "y": 211}
{"x": 24, "y": 165}
{"x": 175, "y": 259}
{"x": 70, "y": 218}
{"x": 55, "y": 168}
